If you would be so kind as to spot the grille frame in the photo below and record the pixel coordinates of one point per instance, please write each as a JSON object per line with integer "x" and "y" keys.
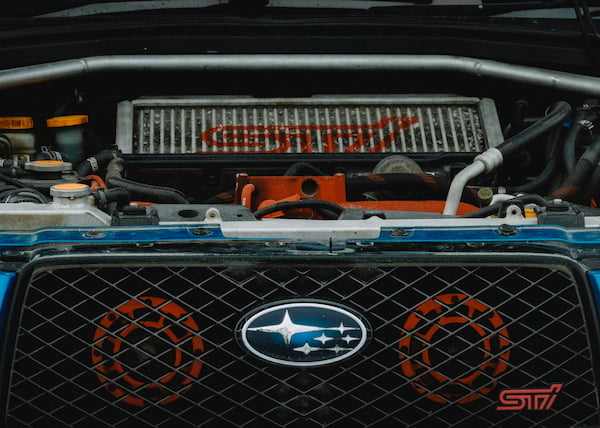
{"x": 584, "y": 291}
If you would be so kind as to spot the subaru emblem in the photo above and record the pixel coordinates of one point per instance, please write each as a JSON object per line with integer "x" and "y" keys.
{"x": 304, "y": 334}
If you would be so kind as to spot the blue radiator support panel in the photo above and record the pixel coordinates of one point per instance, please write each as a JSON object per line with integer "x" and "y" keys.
{"x": 7, "y": 280}
{"x": 595, "y": 280}
{"x": 211, "y": 232}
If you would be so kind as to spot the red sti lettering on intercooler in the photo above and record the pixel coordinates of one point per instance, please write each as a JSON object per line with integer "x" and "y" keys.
{"x": 279, "y": 138}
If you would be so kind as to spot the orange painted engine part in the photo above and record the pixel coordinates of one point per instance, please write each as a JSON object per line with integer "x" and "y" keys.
{"x": 256, "y": 192}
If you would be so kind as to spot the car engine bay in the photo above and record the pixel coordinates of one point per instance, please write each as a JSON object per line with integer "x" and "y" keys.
{"x": 298, "y": 240}
{"x": 246, "y": 144}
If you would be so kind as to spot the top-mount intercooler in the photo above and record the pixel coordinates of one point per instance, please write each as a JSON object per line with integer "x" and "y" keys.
{"x": 323, "y": 124}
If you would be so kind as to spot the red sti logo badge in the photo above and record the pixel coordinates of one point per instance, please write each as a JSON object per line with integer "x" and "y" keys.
{"x": 279, "y": 138}
{"x": 529, "y": 399}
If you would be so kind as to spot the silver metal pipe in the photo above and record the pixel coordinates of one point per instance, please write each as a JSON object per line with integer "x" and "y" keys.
{"x": 487, "y": 161}
{"x": 27, "y": 75}
{"x": 458, "y": 184}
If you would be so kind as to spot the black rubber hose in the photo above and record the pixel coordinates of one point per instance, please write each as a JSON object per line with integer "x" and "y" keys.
{"x": 9, "y": 180}
{"x": 229, "y": 198}
{"x": 549, "y": 171}
{"x": 405, "y": 187}
{"x": 117, "y": 195}
{"x": 517, "y": 121}
{"x": 541, "y": 180}
{"x": 92, "y": 164}
{"x": 7, "y": 145}
{"x": 593, "y": 187}
{"x": 10, "y": 163}
{"x": 573, "y": 189}
{"x": 12, "y": 172}
{"x": 27, "y": 194}
{"x": 148, "y": 192}
{"x": 495, "y": 208}
{"x": 557, "y": 116}
{"x": 315, "y": 204}
{"x": 5, "y": 187}
{"x": 222, "y": 198}
{"x": 142, "y": 191}
{"x": 569, "y": 159}
{"x": 327, "y": 214}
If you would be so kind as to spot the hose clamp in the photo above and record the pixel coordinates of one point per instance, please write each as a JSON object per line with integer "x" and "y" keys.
{"x": 93, "y": 163}
{"x": 100, "y": 196}
{"x": 587, "y": 124}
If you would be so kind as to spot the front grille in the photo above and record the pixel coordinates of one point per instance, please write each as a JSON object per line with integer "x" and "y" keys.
{"x": 141, "y": 345}
{"x": 338, "y": 124}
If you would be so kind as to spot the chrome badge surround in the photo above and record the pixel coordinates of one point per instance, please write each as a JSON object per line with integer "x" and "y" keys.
{"x": 304, "y": 334}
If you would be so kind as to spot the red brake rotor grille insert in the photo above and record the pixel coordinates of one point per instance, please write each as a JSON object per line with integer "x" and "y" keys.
{"x": 454, "y": 348}
{"x": 146, "y": 351}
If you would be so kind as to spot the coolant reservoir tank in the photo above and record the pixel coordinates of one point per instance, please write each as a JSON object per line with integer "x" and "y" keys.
{"x": 69, "y": 135}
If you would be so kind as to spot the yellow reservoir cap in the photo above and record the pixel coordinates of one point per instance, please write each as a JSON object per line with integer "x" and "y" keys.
{"x": 16, "y": 122}
{"x": 62, "y": 121}
{"x": 70, "y": 186}
{"x": 530, "y": 213}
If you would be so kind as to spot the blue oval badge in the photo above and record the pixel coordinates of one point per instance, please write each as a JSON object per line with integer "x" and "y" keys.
{"x": 304, "y": 334}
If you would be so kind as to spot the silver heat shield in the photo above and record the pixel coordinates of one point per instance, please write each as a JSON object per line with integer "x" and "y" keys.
{"x": 320, "y": 124}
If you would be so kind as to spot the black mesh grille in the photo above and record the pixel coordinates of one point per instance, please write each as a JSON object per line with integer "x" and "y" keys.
{"x": 445, "y": 342}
